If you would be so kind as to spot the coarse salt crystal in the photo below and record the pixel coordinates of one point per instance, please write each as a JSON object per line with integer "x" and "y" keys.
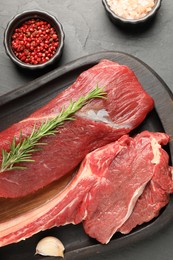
{"x": 131, "y": 9}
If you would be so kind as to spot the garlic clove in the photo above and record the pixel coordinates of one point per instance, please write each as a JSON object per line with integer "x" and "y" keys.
{"x": 50, "y": 246}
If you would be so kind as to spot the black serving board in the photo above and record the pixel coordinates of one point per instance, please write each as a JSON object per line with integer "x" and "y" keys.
{"x": 18, "y": 104}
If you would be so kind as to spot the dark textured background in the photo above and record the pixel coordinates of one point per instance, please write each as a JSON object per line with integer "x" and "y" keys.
{"x": 88, "y": 30}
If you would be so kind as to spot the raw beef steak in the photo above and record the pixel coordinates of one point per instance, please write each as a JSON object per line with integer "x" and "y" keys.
{"x": 156, "y": 193}
{"x": 134, "y": 167}
{"x": 102, "y": 194}
{"x": 98, "y": 123}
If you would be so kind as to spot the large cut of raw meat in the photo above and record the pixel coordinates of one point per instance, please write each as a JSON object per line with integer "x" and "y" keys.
{"x": 98, "y": 123}
{"x": 104, "y": 193}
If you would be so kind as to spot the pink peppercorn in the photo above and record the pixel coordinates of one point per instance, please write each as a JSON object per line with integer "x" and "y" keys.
{"x": 35, "y": 41}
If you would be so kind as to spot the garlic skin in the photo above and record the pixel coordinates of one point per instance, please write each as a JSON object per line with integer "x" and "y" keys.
{"x": 50, "y": 246}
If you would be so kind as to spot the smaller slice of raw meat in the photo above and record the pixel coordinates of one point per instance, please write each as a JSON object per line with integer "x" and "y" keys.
{"x": 156, "y": 193}
{"x": 112, "y": 200}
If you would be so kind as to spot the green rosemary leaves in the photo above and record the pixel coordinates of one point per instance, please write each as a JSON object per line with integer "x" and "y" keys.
{"x": 21, "y": 150}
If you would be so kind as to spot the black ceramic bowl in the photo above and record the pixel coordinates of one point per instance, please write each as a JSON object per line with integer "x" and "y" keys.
{"x": 17, "y": 21}
{"x": 131, "y": 22}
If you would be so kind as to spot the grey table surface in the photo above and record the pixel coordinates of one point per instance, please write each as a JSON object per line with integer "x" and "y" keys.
{"x": 88, "y": 30}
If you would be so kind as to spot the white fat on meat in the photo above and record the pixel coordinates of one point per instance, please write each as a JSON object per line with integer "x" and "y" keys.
{"x": 97, "y": 115}
{"x": 133, "y": 201}
{"x": 172, "y": 172}
{"x": 156, "y": 151}
{"x": 100, "y": 115}
{"x": 38, "y": 119}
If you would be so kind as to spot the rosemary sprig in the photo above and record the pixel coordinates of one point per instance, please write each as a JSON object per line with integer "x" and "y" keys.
{"x": 21, "y": 150}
